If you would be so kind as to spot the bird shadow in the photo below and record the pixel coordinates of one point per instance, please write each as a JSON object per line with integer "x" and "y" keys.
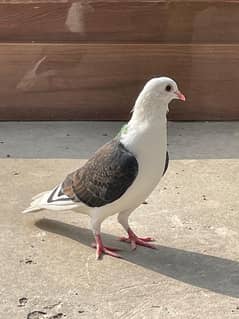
{"x": 213, "y": 273}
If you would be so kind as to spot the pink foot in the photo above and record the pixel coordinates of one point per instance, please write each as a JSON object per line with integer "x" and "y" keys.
{"x": 134, "y": 240}
{"x": 101, "y": 249}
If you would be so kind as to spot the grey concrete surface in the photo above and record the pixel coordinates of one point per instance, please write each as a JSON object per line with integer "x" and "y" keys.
{"x": 195, "y": 140}
{"x": 193, "y": 214}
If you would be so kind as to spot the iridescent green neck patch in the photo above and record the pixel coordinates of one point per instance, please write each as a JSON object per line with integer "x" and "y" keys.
{"x": 123, "y": 130}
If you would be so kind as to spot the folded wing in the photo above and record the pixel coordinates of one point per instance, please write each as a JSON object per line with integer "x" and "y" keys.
{"x": 104, "y": 178}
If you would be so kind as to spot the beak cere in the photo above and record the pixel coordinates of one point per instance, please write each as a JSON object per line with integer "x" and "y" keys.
{"x": 180, "y": 96}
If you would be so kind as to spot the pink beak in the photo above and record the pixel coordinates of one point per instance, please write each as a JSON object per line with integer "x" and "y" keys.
{"x": 180, "y": 96}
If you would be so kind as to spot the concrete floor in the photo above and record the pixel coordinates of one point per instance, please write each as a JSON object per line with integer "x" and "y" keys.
{"x": 47, "y": 267}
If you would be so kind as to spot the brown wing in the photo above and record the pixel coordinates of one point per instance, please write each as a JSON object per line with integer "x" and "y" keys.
{"x": 104, "y": 178}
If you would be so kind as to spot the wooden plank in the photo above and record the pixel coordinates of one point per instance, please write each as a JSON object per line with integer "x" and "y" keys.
{"x": 101, "y": 82}
{"x": 120, "y": 21}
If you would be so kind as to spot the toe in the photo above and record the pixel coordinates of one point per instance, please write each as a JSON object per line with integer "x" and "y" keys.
{"x": 111, "y": 253}
{"x": 98, "y": 254}
{"x": 147, "y": 239}
{"x": 144, "y": 244}
{"x": 112, "y": 248}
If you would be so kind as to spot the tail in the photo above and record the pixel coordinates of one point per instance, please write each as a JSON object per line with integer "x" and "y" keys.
{"x": 54, "y": 199}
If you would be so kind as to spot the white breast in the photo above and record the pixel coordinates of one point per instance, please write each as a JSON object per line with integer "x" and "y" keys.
{"x": 149, "y": 148}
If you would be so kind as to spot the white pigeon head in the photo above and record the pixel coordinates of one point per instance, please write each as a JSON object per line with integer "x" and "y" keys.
{"x": 163, "y": 89}
{"x": 156, "y": 95}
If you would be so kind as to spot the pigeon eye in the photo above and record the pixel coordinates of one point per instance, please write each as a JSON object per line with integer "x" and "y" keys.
{"x": 168, "y": 88}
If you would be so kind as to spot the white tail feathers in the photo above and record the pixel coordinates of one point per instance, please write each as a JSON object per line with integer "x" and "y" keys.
{"x": 52, "y": 200}
{"x": 31, "y": 209}
{"x": 39, "y": 195}
{"x": 38, "y": 202}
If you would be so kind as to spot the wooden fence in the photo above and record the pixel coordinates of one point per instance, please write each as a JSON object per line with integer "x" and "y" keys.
{"x": 69, "y": 60}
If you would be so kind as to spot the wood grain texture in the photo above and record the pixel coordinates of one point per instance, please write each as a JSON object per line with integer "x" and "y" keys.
{"x": 101, "y": 82}
{"x": 120, "y": 21}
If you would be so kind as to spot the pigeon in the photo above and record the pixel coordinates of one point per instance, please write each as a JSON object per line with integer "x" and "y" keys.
{"x": 123, "y": 172}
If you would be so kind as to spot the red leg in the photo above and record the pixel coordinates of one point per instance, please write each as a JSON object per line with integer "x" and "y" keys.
{"x": 134, "y": 240}
{"x": 101, "y": 249}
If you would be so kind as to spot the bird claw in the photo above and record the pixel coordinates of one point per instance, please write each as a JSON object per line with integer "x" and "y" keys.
{"x": 100, "y": 250}
{"x": 140, "y": 241}
{"x": 146, "y": 239}
{"x": 107, "y": 251}
{"x": 107, "y": 247}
